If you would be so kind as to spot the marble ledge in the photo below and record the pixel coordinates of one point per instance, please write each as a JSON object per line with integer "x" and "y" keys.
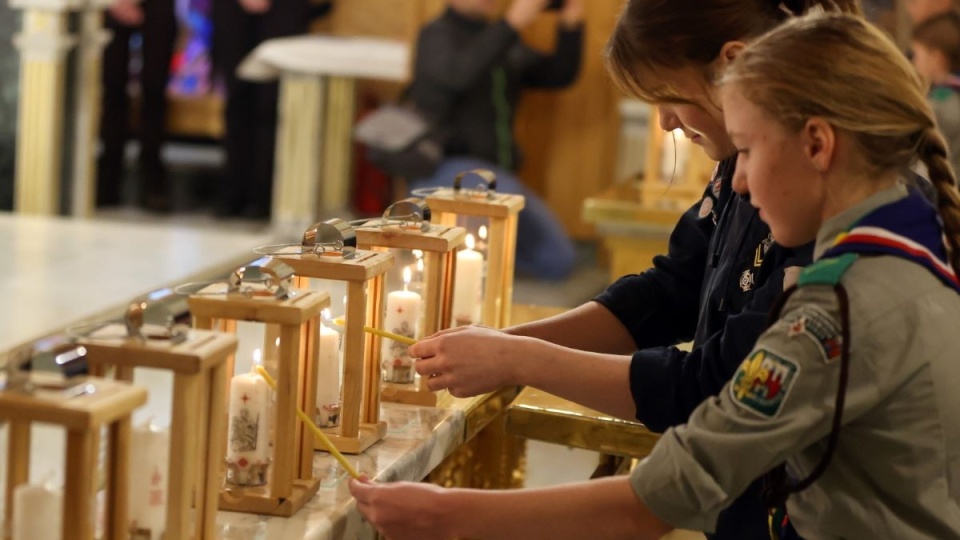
{"x": 417, "y": 441}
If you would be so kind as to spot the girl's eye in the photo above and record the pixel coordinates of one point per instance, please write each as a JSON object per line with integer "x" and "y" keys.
{"x": 743, "y": 151}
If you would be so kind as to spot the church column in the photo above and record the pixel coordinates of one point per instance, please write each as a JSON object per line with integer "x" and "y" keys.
{"x": 43, "y": 44}
{"x": 87, "y": 84}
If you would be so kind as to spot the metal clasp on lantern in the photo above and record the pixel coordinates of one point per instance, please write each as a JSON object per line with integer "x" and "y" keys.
{"x": 485, "y": 190}
{"x": 137, "y": 312}
{"x": 276, "y": 276}
{"x": 410, "y": 214}
{"x": 331, "y": 237}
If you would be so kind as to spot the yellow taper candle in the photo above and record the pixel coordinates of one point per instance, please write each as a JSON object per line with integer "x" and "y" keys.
{"x": 313, "y": 427}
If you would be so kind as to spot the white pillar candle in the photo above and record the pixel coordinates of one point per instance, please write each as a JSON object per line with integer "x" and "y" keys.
{"x": 328, "y": 378}
{"x": 37, "y": 513}
{"x": 248, "y": 445}
{"x": 403, "y": 316}
{"x": 150, "y": 451}
{"x": 468, "y": 286}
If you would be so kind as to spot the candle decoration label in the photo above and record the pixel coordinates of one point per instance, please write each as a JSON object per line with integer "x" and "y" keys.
{"x": 248, "y": 446}
{"x": 402, "y": 318}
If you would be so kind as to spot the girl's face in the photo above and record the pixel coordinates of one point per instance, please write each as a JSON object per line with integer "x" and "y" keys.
{"x": 774, "y": 167}
{"x": 931, "y": 64}
{"x": 696, "y": 112}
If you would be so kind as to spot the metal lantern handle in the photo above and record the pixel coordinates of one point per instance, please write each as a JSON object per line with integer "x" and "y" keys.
{"x": 489, "y": 178}
{"x": 410, "y": 210}
{"x": 335, "y": 234}
{"x": 276, "y": 275}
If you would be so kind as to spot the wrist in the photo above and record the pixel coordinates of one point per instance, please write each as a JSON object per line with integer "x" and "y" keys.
{"x": 527, "y": 361}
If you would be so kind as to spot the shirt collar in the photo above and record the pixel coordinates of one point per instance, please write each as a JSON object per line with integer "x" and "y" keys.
{"x": 844, "y": 220}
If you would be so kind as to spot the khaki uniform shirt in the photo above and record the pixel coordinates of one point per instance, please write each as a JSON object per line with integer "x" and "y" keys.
{"x": 896, "y": 470}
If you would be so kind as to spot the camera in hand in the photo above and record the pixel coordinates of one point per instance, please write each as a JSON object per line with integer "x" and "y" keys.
{"x": 555, "y": 5}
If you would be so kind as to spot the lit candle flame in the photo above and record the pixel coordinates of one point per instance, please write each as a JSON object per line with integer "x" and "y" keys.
{"x": 407, "y": 276}
{"x": 420, "y": 266}
{"x": 482, "y": 232}
{"x": 257, "y": 356}
{"x": 470, "y": 241}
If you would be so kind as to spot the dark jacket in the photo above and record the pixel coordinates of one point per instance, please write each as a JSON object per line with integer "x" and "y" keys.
{"x": 468, "y": 77}
{"x": 715, "y": 286}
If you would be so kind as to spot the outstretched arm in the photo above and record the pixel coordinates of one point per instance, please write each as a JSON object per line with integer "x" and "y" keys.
{"x": 472, "y": 360}
{"x": 599, "y": 509}
{"x": 589, "y": 327}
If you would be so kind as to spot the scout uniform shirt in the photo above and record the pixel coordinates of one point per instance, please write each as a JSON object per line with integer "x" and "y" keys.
{"x": 896, "y": 470}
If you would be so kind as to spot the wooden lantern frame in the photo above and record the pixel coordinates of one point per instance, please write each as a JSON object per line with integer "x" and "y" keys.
{"x": 297, "y": 315}
{"x": 439, "y": 244}
{"x": 678, "y": 193}
{"x": 363, "y": 271}
{"x": 502, "y": 211}
{"x": 83, "y": 414}
{"x": 198, "y": 363}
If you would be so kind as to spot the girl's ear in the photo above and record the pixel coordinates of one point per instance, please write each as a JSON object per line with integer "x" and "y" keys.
{"x": 819, "y": 143}
{"x": 728, "y": 53}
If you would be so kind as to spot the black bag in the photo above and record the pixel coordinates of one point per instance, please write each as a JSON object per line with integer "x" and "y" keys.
{"x": 400, "y": 141}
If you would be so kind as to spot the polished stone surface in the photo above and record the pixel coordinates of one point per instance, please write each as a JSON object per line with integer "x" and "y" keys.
{"x": 57, "y": 271}
{"x": 418, "y": 438}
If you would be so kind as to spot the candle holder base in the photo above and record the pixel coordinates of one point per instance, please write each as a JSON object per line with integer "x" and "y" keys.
{"x": 408, "y": 394}
{"x": 369, "y": 434}
{"x": 328, "y": 416}
{"x": 257, "y": 500}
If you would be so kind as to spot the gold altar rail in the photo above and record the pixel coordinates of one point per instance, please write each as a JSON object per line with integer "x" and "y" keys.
{"x": 535, "y": 414}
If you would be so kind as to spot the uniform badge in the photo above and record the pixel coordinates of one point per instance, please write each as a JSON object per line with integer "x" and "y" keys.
{"x": 746, "y": 280}
{"x": 717, "y": 182}
{"x": 762, "y": 383}
{"x": 814, "y": 323}
{"x": 762, "y": 248}
{"x": 706, "y": 207}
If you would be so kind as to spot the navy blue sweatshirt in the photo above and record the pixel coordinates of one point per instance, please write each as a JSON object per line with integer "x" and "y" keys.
{"x": 715, "y": 286}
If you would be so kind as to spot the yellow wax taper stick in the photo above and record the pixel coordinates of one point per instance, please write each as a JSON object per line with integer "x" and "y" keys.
{"x": 339, "y": 321}
{"x": 313, "y": 427}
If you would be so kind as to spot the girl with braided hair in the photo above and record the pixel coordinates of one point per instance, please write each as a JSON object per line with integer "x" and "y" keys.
{"x": 853, "y": 385}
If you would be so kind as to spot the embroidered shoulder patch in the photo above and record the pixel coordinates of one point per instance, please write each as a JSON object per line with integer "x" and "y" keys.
{"x": 813, "y": 322}
{"x": 762, "y": 382}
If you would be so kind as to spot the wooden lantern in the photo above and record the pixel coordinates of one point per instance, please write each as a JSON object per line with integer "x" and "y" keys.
{"x": 267, "y": 298}
{"x": 677, "y": 171}
{"x": 406, "y": 225}
{"x": 198, "y": 361}
{"x": 501, "y": 210}
{"x": 83, "y": 406}
{"x": 328, "y": 251}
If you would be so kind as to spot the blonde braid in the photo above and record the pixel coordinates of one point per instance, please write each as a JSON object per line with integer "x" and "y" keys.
{"x": 933, "y": 153}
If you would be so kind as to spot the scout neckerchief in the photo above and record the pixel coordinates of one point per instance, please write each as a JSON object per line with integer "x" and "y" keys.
{"x": 909, "y": 228}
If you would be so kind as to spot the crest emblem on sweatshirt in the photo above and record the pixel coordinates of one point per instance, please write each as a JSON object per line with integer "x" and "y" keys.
{"x": 762, "y": 383}
{"x": 746, "y": 280}
{"x": 706, "y": 207}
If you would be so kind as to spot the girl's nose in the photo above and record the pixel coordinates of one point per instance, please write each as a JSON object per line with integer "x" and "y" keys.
{"x": 668, "y": 119}
{"x": 740, "y": 181}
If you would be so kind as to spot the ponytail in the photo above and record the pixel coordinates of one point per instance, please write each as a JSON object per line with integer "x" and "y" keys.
{"x": 933, "y": 153}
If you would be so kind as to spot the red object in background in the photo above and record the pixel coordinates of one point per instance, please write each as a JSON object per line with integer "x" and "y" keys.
{"x": 372, "y": 188}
